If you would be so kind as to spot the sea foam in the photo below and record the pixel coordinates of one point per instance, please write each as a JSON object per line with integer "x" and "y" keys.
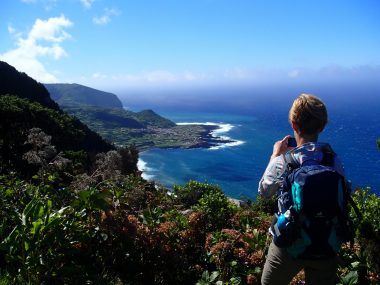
{"x": 142, "y": 166}
{"x": 222, "y": 128}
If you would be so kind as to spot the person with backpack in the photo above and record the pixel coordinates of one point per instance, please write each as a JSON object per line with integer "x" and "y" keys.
{"x": 309, "y": 180}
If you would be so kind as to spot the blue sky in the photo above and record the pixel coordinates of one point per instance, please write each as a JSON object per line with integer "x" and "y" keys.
{"x": 111, "y": 44}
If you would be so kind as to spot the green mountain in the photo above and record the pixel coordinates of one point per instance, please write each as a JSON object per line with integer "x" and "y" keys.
{"x": 151, "y": 119}
{"x": 24, "y": 105}
{"x": 79, "y": 95}
{"x": 98, "y": 107}
{"x": 144, "y": 129}
{"x": 119, "y": 118}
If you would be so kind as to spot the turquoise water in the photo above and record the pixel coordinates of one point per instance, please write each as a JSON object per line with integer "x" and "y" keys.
{"x": 238, "y": 168}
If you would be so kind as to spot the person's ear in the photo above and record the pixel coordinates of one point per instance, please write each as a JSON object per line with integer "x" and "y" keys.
{"x": 294, "y": 126}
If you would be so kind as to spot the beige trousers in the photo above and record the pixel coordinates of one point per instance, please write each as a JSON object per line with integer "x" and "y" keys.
{"x": 280, "y": 268}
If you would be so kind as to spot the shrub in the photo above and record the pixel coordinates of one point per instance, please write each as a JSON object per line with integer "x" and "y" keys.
{"x": 368, "y": 230}
{"x": 189, "y": 194}
{"x": 265, "y": 205}
{"x": 128, "y": 231}
{"x": 216, "y": 207}
{"x": 41, "y": 247}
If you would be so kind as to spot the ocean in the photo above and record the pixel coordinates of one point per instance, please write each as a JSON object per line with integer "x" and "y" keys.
{"x": 237, "y": 167}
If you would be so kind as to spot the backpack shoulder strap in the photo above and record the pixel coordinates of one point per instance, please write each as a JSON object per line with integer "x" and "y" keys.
{"x": 347, "y": 189}
{"x": 290, "y": 161}
{"x": 290, "y": 164}
{"x": 328, "y": 160}
{"x": 328, "y": 155}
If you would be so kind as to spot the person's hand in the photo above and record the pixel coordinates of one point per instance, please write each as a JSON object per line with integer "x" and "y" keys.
{"x": 280, "y": 147}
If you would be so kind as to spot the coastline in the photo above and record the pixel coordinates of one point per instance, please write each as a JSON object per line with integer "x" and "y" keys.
{"x": 189, "y": 136}
{"x": 208, "y": 138}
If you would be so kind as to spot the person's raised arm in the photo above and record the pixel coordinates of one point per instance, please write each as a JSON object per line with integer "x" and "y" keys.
{"x": 280, "y": 147}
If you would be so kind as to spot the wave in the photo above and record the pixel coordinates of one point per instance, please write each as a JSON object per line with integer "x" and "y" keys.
{"x": 142, "y": 166}
{"x": 222, "y": 128}
{"x": 230, "y": 144}
{"x": 200, "y": 123}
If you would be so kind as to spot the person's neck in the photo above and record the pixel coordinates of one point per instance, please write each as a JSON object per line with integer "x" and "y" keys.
{"x": 306, "y": 139}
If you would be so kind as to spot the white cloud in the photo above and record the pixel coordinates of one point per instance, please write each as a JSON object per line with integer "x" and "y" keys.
{"x": 50, "y": 30}
{"x": 103, "y": 20}
{"x": 151, "y": 78}
{"x": 87, "y": 3}
{"x": 294, "y": 73}
{"x": 238, "y": 73}
{"x": 11, "y": 30}
{"x": 232, "y": 77}
{"x": 160, "y": 76}
{"x": 42, "y": 41}
{"x": 98, "y": 75}
{"x": 106, "y": 17}
{"x": 190, "y": 76}
{"x": 155, "y": 76}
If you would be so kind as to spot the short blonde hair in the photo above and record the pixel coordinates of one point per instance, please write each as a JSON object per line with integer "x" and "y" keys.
{"x": 309, "y": 113}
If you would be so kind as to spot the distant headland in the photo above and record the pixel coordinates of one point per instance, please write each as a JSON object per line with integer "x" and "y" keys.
{"x": 104, "y": 114}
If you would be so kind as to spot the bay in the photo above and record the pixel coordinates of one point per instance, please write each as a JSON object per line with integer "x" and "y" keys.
{"x": 237, "y": 168}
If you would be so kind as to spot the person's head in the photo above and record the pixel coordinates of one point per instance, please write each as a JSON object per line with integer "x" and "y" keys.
{"x": 308, "y": 116}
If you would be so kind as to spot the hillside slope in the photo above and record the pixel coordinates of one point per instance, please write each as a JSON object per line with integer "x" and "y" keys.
{"x": 25, "y": 104}
{"x": 75, "y": 94}
{"x": 144, "y": 129}
{"x": 18, "y": 83}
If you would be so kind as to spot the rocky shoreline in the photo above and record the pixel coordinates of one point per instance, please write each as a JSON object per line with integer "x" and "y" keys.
{"x": 186, "y": 136}
{"x": 208, "y": 140}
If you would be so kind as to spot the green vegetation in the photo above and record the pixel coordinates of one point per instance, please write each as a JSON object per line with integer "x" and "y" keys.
{"x": 120, "y": 118}
{"x": 363, "y": 259}
{"x": 143, "y": 129}
{"x": 19, "y": 116}
{"x": 124, "y": 230}
{"x": 79, "y": 95}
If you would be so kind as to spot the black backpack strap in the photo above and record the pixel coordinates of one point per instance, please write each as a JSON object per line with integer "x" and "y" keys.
{"x": 350, "y": 231}
{"x": 290, "y": 164}
{"x": 347, "y": 190}
{"x": 290, "y": 161}
{"x": 328, "y": 158}
{"x": 328, "y": 155}
{"x": 355, "y": 207}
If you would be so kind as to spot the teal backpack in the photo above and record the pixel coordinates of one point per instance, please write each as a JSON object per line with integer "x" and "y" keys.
{"x": 313, "y": 219}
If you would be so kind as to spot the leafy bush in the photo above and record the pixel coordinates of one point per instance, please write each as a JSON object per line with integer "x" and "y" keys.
{"x": 369, "y": 206}
{"x": 216, "y": 206}
{"x": 265, "y": 205}
{"x": 237, "y": 254}
{"x": 361, "y": 262}
{"x": 189, "y": 194}
{"x": 368, "y": 231}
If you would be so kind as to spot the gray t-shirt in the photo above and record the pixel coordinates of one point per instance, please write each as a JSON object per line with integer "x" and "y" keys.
{"x": 308, "y": 153}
